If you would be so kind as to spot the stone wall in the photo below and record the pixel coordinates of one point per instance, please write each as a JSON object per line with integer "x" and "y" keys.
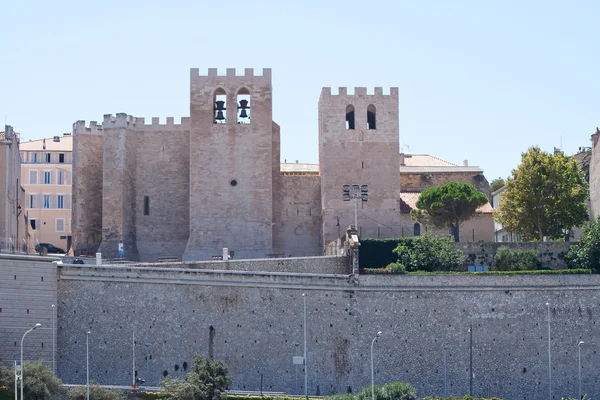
{"x": 252, "y": 320}
{"x": 595, "y": 178}
{"x": 27, "y": 293}
{"x": 552, "y": 253}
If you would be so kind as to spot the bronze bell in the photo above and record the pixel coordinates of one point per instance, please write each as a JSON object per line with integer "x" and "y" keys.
{"x": 219, "y": 105}
{"x": 219, "y": 116}
{"x": 243, "y": 104}
{"x": 243, "y": 114}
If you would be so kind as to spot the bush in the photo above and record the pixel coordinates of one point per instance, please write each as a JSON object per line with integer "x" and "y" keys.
{"x": 395, "y": 268}
{"x": 507, "y": 259}
{"x": 39, "y": 381}
{"x": 389, "y": 391}
{"x": 586, "y": 253}
{"x": 97, "y": 392}
{"x": 429, "y": 253}
{"x": 207, "y": 380}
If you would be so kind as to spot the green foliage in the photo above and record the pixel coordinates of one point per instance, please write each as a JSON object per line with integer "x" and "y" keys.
{"x": 466, "y": 397}
{"x": 395, "y": 268}
{"x": 429, "y": 253}
{"x": 7, "y": 379}
{"x": 546, "y": 196}
{"x": 389, "y": 391}
{"x": 496, "y": 184}
{"x": 39, "y": 382}
{"x": 448, "y": 206}
{"x": 207, "y": 380}
{"x": 267, "y": 397}
{"x": 507, "y": 259}
{"x": 586, "y": 253}
{"x": 97, "y": 392}
{"x": 377, "y": 253}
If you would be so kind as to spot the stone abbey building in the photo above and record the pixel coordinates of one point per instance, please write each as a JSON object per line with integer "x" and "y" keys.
{"x": 215, "y": 180}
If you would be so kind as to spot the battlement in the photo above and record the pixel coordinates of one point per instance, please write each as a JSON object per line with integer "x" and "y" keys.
{"x": 79, "y": 128}
{"x": 140, "y": 124}
{"x": 231, "y": 73}
{"x": 120, "y": 120}
{"x": 359, "y": 92}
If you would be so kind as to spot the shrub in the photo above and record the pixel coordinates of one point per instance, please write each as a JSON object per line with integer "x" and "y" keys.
{"x": 208, "y": 380}
{"x": 507, "y": 259}
{"x": 586, "y": 253}
{"x": 395, "y": 268}
{"x": 377, "y": 253}
{"x": 97, "y": 392}
{"x": 429, "y": 253}
{"x": 389, "y": 391}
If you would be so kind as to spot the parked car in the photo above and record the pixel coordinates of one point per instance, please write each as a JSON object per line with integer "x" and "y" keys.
{"x": 77, "y": 261}
{"x": 49, "y": 247}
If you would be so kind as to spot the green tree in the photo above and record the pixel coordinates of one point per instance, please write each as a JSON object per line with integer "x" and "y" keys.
{"x": 586, "y": 253}
{"x": 39, "y": 382}
{"x": 429, "y": 253}
{"x": 496, "y": 184}
{"x": 207, "y": 380}
{"x": 7, "y": 379}
{"x": 448, "y": 206}
{"x": 97, "y": 392}
{"x": 545, "y": 196}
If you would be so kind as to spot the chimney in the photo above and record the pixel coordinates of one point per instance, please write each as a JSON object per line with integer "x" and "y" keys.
{"x": 465, "y": 163}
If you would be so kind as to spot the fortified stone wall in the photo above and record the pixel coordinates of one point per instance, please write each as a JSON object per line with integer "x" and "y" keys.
{"x": 88, "y": 144}
{"x": 297, "y": 228}
{"x": 27, "y": 293}
{"x": 162, "y": 154}
{"x": 497, "y": 324}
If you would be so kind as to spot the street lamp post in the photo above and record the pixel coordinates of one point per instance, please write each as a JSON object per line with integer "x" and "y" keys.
{"x": 87, "y": 365}
{"x": 579, "y": 365}
{"x": 445, "y": 352}
{"x": 305, "y": 364}
{"x": 296, "y": 352}
{"x": 356, "y": 192}
{"x": 549, "y": 356}
{"x": 147, "y": 363}
{"x": 53, "y": 339}
{"x": 372, "y": 370}
{"x": 23, "y": 369}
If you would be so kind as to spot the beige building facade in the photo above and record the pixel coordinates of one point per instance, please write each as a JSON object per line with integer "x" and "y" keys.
{"x": 12, "y": 225}
{"x": 46, "y": 174}
{"x": 149, "y": 190}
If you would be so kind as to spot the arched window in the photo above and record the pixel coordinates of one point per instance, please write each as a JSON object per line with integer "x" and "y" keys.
{"x": 243, "y": 106}
{"x": 371, "y": 117}
{"x": 350, "y": 117}
{"x": 220, "y": 108}
{"x": 417, "y": 230}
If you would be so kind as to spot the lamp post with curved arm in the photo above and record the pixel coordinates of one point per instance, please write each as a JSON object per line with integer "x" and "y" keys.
{"x": 23, "y": 369}
{"x": 579, "y": 365}
{"x": 87, "y": 365}
{"x": 372, "y": 370}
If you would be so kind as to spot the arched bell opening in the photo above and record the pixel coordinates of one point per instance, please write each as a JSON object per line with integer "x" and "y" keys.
{"x": 350, "y": 117}
{"x": 243, "y": 106}
{"x": 220, "y": 109}
{"x": 371, "y": 117}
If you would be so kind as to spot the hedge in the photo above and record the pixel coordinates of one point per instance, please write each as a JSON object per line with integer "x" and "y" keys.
{"x": 378, "y": 253}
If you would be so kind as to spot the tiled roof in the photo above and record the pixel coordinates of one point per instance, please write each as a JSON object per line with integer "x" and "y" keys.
{"x": 425, "y": 160}
{"x": 65, "y": 144}
{"x": 408, "y": 201}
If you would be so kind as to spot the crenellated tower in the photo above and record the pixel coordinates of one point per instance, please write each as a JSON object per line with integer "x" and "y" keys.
{"x": 359, "y": 144}
{"x": 231, "y": 164}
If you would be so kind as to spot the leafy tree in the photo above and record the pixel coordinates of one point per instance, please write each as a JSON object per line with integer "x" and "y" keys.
{"x": 507, "y": 259}
{"x": 429, "y": 253}
{"x": 496, "y": 184}
{"x": 586, "y": 253}
{"x": 448, "y": 206}
{"x": 7, "y": 379}
{"x": 207, "y": 380}
{"x": 546, "y": 196}
{"x": 97, "y": 392}
{"x": 39, "y": 382}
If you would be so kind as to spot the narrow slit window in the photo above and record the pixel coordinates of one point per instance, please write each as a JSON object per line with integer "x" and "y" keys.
{"x": 350, "y": 117}
{"x": 417, "y": 230}
{"x": 220, "y": 106}
{"x": 371, "y": 117}
{"x": 146, "y": 205}
{"x": 243, "y": 106}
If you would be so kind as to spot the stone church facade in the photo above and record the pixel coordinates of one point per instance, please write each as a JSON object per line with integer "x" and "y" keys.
{"x": 145, "y": 191}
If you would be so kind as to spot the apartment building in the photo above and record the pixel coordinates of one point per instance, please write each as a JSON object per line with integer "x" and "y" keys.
{"x": 46, "y": 176}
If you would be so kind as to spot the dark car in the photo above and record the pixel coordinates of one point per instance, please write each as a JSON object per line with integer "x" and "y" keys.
{"x": 49, "y": 247}
{"x": 77, "y": 261}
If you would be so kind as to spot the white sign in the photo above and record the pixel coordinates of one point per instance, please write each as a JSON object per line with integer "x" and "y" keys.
{"x": 298, "y": 360}
{"x": 121, "y": 251}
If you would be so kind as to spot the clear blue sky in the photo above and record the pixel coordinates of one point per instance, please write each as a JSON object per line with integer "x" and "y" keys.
{"x": 479, "y": 80}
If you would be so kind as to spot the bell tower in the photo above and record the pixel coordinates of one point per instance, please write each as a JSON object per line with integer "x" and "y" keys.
{"x": 359, "y": 145}
{"x": 231, "y": 164}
